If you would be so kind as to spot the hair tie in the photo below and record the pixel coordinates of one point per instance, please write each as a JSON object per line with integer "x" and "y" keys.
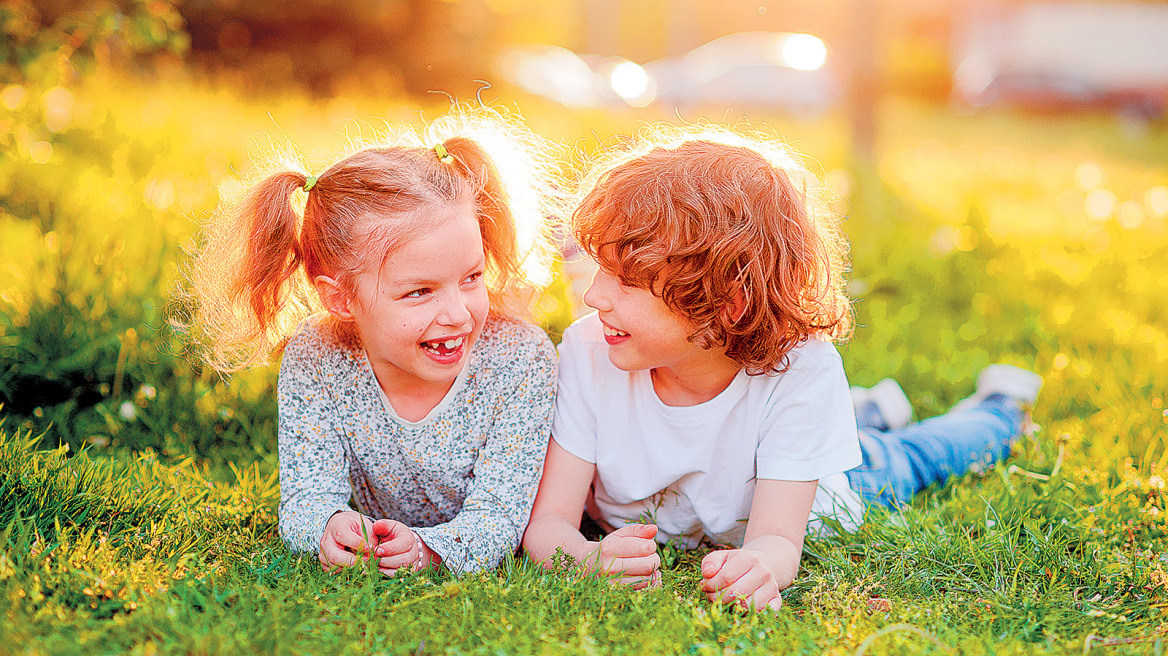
{"x": 444, "y": 156}
{"x": 310, "y": 182}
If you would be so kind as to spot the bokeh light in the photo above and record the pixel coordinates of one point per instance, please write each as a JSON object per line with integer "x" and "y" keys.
{"x": 1156, "y": 199}
{"x": 1100, "y": 204}
{"x": 630, "y": 81}
{"x": 40, "y": 152}
{"x": 1130, "y": 214}
{"x": 804, "y": 52}
{"x": 1088, "y": 176}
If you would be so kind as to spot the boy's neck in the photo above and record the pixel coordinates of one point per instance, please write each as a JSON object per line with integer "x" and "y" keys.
{"x": 695, "y": 383}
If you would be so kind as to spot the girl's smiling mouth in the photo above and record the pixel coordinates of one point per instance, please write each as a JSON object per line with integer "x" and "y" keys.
{"x": 445, "y": 351}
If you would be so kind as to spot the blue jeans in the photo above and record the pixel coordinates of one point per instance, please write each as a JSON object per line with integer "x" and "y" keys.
{"x": 900, "y": 462}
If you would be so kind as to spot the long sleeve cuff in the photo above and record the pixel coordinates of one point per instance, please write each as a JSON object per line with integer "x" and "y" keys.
{"x": 461, "y": 557}
{"x": 302, "y": 529}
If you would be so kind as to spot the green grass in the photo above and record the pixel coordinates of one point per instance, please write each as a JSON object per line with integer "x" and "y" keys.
{"x": 138, "y": 495}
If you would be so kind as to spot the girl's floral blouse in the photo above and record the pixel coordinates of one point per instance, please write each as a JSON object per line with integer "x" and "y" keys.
{"x": 464, "y": 477}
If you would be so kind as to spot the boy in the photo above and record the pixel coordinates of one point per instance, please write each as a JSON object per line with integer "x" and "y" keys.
{"x": 704, "y": 399}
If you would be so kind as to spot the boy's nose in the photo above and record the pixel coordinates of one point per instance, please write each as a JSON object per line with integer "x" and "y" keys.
{"x": 594, "y": 296}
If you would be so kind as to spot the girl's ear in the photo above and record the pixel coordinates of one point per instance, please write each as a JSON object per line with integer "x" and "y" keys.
{"x": 334, "y": 298}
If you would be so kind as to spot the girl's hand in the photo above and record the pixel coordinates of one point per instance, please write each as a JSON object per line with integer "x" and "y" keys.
{"x": 397, "y": 546}
{"x": 739, "y": 575}
{"x": 632, "y": 552}
{"x": 347, "y": 536}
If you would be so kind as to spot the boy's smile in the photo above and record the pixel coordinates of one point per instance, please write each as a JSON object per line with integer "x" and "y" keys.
{"x": 642, "y": 332}
{"x": 612, "y": 335}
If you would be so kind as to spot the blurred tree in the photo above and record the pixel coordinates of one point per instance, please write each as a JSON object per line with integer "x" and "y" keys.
{"x": 55, "y": 41}
{"x": 380, "y": 46}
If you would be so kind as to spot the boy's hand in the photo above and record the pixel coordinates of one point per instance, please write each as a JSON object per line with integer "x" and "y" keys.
{"x": 632, "y": 552}
{"x": 347, "y": 537}
{"x": 739, "y": 575}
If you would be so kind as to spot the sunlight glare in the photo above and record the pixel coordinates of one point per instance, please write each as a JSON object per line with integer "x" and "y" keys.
{"x": 630, "y": 81}
{"x": 804, "y": 52}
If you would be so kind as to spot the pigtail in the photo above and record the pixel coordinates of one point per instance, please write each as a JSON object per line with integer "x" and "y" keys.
{"x": 272, "y": 248}
{"x": 243, "y": 280}
{"x": 515, "y": 180}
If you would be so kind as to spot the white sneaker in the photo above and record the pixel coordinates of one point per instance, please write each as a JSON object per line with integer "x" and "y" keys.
{"x": 1014, "y": 382}
{"x": 889, "y": 400}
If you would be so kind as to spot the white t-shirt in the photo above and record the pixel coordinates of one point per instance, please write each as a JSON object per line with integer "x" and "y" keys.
{"x": 691, "y": 470}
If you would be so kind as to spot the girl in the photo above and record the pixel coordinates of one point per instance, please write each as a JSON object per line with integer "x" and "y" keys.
{"x": 704, "y": 400}
{"x": 412, "y": 395}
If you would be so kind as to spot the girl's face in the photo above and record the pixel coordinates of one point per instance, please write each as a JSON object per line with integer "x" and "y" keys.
{"x": 421, "y": 312}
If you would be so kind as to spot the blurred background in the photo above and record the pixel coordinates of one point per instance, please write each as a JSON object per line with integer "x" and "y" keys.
{"x": 1003, "y": 166}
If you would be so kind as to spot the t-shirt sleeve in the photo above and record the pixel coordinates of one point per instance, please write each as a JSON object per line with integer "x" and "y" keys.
{"x": 809, "y": 430}
{"x": 498, "y": 502}
{"x": 314, "y": 470}
{"x": 574, "y": 426}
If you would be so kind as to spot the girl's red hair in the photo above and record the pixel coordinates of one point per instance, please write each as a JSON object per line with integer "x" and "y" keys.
{"x": 252, "y": 280}
{"x": 704, "y": 216}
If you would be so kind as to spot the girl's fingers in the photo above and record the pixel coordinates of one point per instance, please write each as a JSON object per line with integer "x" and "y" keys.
{"x": 398, "y": 560}
{"x": 775, "y": 603}
{"x": 644, "y": 531}
{"x": 352, "y": 537}
{"x": 332, "y": 555}
{"x": 382, "y": 529}
{"x": 655, "y": 579}
{"x": 400, "y": 541}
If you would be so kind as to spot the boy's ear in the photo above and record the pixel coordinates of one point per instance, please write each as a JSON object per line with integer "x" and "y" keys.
{"x": 737, "y": 305}
{"x": 334, "y": 298}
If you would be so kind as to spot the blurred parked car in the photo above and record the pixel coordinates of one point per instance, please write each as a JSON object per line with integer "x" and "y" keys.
{"x": 765, "y": 70}
{"x": 1065, "y": 55}
{"x": 575, "y": 80}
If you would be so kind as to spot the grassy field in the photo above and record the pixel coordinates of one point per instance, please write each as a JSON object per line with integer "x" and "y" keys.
{"x": 138, "y": 491}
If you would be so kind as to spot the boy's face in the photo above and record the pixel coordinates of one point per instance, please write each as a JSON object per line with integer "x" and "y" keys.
{"x": 642, "y": 332}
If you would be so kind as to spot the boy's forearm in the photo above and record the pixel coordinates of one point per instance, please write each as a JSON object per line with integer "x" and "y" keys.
{"x": 545, "y": 535}
{"x": 780, "y": 556}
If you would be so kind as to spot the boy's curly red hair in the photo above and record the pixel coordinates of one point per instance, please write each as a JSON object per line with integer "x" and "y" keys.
{"x": 704, "y": 216}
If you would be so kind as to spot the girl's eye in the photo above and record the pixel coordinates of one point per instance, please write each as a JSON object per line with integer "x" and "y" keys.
{"x": 418, "y": 293}
{"x": 474, "y": 277}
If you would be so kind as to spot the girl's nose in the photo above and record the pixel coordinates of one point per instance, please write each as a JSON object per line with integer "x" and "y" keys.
{"x": 454, "y": 311}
